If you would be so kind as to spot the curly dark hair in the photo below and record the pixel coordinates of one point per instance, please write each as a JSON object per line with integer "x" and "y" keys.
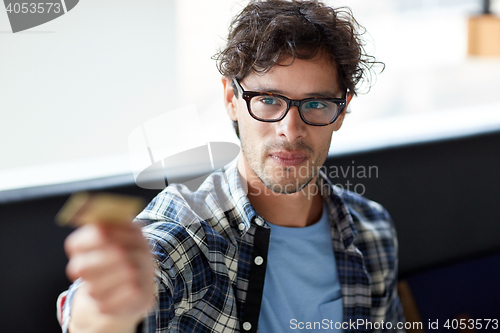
{"x": 268, "y": 31}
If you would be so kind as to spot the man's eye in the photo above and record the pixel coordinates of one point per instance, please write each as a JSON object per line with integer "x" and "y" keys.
{"x": 315, "y": 105}
{"x": 270, "y": 101}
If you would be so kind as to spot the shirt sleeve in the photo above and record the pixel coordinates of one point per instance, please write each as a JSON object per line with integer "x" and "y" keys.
{"x": 160, "y": 318}
{"x": 66, "y": 308}
{"x": 168, "y": 292}
{"x": 394, "y": 312}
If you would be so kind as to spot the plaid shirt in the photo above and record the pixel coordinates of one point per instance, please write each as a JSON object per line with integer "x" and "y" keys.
{"x": 206, "y": 241}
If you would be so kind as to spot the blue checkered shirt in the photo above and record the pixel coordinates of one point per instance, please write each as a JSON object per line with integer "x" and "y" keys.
{"x": 205, "y": 243}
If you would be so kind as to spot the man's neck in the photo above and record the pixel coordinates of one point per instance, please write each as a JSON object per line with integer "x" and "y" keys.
{"x": 288, "y": 210}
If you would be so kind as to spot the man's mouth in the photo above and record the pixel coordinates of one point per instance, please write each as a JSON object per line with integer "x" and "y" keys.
{"x": 286, "y": 158}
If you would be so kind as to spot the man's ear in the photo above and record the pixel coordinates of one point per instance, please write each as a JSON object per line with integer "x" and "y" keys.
{"x": 229, "y": 98}
{"x": 338, "y": 123}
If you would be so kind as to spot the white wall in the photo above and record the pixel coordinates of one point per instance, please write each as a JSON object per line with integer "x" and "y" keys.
{"x": 75, "y": 87}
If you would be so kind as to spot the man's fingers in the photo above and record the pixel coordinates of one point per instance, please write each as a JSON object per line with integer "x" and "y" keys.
{"x": 92, "y": 236}
{"x": 90, "y": 265}
{"x": 85, "y": 238}
{"x": 104, "y": 285}
{"x": 130, "y": 236}
{"x": 116, "y": 266}
{"x": 121, "y": 295}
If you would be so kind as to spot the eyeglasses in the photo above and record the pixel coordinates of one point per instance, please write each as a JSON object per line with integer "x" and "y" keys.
{"x": 270, "y": 107}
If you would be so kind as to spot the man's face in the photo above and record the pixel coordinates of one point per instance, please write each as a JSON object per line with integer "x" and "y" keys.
{"x": 285, "y": 155}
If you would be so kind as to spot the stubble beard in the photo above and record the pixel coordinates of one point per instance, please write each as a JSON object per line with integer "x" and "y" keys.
{"x": 287, "y": 185}
{"x": 282, "y": 179}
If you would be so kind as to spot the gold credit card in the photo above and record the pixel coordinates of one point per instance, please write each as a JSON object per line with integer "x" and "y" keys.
{"x": 84, "y": 207}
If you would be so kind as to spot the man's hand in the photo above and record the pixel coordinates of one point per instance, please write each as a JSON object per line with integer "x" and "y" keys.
{"x": 116, "y": 266}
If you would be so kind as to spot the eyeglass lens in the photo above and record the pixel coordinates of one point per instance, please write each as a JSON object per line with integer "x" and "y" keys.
{"x": 316, "y": 111}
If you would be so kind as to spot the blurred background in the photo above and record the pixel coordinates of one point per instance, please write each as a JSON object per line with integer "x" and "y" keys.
{"x": 90, "y": 77}
{"x": 72, "y": 90}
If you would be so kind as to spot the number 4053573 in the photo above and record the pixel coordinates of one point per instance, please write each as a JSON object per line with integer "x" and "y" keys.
{"x": 474, "y": 324}
{"x": 26, "y": 7}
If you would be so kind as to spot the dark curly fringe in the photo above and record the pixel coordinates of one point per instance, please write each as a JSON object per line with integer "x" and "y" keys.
{"x": 268, "y": 31}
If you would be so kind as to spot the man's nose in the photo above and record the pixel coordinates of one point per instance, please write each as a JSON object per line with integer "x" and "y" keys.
{"x": 292, "y": 126}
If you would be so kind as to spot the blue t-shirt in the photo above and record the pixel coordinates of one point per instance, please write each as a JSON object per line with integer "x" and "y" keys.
{"x": 301, "y": 289}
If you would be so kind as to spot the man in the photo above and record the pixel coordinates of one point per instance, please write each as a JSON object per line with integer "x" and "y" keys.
{"x": 267, "y": 244}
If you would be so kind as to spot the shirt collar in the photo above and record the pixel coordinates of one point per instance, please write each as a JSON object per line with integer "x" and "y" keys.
{"x": 238, "y": 190}
{"x": 337, "y": 210}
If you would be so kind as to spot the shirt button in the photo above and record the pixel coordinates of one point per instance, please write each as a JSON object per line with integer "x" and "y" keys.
{"x": 258, "y": 260}
{"x": 241, "y": 226}
{"x": 259, "y": 222}
{"x": 247, "y": 326}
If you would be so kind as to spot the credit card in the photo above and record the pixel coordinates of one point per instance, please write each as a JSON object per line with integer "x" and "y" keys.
{"x": 100, "y": 208}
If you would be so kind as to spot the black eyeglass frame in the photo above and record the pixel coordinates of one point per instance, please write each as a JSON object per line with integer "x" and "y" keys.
{"x": 248, "y": 95}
